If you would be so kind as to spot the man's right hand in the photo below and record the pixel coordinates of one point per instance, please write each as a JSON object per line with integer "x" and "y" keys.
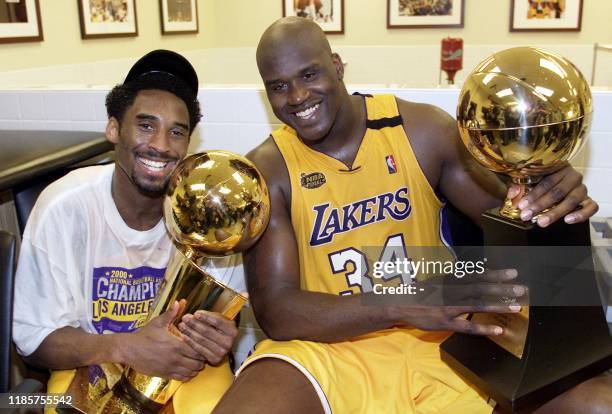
{"x": 154, "y": 350}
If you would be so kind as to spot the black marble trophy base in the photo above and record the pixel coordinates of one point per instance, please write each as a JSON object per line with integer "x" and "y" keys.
{"x": 565, "y": 345}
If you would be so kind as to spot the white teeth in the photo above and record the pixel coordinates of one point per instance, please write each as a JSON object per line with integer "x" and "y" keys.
{"x": 153, "y": 165}
{"x": 307, "y": 112}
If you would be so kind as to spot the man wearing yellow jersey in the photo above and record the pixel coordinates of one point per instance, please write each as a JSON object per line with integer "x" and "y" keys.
{"x": 344, "y": 173}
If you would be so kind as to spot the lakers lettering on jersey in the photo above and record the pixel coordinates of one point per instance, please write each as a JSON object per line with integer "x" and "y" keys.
{"x": 346, "y": 218}
{"x": 330, "y": 221}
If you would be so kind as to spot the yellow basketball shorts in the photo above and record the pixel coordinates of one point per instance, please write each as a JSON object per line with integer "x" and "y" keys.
{"x": 391, "y": 371}
{"x": 198, "y": 395}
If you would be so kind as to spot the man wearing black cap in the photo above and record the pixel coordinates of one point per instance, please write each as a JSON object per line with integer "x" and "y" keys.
{"x": 95, "y": 250}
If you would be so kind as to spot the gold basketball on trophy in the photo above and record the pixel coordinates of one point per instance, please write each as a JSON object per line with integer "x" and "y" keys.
{"x": 523, "y": 112}
{"x": 217, "y": 204}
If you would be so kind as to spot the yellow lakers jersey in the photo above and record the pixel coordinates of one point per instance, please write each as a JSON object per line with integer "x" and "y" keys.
{"x": 347, "y": 219}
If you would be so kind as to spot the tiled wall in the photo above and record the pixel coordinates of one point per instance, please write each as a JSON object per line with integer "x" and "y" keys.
{"x": 405, "y": 66}
{"x": 238, "y": 118}
{"x": 79, "y": 110}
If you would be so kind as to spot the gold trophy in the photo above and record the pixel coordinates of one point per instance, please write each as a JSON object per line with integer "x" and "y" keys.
{"x": 523, "y": 112}
{"x": 217, "y": 204}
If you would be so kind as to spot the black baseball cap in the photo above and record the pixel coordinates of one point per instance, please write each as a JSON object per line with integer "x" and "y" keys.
{"x": 167, "y": 62}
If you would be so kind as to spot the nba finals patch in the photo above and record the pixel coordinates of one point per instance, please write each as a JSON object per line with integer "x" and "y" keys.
{"x": 314, "y": 180}
{"x": 391, "y": 164}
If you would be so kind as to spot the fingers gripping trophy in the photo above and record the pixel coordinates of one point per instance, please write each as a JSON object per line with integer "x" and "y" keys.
{"x": 217, "y": 204}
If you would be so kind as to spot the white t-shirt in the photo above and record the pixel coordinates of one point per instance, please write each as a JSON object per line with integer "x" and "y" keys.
{"x": 80, "y": 265}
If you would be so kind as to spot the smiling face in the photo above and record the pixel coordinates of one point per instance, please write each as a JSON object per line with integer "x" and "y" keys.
{"x": 150, "y": 141}
{"x": 303, "y": 80}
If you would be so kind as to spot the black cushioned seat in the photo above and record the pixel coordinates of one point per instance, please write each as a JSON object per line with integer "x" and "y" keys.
{"x": 7, "y": 272}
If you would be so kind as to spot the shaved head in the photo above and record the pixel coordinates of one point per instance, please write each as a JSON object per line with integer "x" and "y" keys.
{"x": 303, "y": 78}
{"x": 290, "y": 33}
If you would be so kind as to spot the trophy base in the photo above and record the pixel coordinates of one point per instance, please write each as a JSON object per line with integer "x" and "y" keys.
{"x": 116, "y": 405}
{"x": 564, "y": 346}
{"x": 125, "y": 399}
{"x": 122, "y": 399}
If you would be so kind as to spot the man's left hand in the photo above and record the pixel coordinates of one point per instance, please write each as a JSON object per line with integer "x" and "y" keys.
{"x": 563, "y": 192}
{"x": 210, "y": 334}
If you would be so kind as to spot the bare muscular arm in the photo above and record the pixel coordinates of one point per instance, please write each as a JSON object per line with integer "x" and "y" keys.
{"x": 70, "y": 347}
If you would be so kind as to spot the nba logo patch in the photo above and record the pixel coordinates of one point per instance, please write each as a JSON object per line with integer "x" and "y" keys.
{"x": 391, "y": 164}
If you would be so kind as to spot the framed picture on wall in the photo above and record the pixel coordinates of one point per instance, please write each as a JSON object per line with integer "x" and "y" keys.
{"x": 329, "y": 14}
{"x": 178, "y": 16}
{"x": 540, "y": 15}
{"x": 424, "y": 13}
{"x": 20, "y": 21}
{"x": 107, "y": 18}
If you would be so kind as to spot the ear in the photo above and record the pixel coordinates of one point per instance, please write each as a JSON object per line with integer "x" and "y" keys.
{"x": 112, "y": 130}
{"x": 337, "y": 60}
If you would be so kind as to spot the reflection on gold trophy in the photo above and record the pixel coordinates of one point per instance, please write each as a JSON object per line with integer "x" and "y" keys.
{"x": 217, "y": 204}
{"x": 523, "y": 112}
